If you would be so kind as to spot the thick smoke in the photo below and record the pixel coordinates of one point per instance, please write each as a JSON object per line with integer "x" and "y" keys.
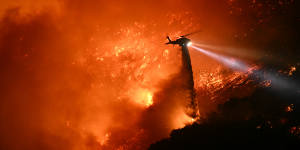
{"x": 75, "y": 75}
{"x": 39, "y": 95}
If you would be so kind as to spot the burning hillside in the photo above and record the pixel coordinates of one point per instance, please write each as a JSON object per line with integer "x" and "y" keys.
{"x": 97, "y": 74}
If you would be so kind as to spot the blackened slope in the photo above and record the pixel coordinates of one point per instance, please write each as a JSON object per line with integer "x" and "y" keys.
{"x": 259, "y": 121}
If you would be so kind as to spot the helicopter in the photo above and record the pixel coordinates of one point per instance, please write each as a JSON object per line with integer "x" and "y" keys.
{"x": 182, "y": 40}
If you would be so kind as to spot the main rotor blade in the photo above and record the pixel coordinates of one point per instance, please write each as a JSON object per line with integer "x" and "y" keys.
{"x": 191, "y": 33}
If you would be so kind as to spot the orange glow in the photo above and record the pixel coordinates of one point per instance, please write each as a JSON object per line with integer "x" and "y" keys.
{"x": 292, "y": 69}
{"x": 143, "y": 97}
{"x": 97, "y": 74}
{"x": 266, "y": 83}
{"x": 216, "y": 87}
{"x": 104, "y": 140}
{"x": 290, "y": 108}
{"x": 182, "y": 119}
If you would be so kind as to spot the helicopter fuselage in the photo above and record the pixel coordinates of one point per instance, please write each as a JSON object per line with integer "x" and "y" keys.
{"x": 183, "y": 41}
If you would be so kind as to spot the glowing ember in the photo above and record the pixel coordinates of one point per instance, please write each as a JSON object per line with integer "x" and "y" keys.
{"x": 266, "y": 83}
{"x": 290, "y": 108}
{"x": 182, "y": 119}
{"x": 295, "y": 131}
{"x": 104, "y": 140}
{"x": 292, "y": 69}
{"x": 143, "y": 97}
{"x": 216, "y": 87}
{"x": 149, "y": 100}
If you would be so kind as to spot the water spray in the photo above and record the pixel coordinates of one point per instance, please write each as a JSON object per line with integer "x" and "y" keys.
{"x": 187, "y": 71}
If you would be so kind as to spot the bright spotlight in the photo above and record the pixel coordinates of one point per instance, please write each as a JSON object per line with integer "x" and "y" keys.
{"x": 229, "y": 62}
{"x": 189, "y": 44}
{"x": 277, "y": 82}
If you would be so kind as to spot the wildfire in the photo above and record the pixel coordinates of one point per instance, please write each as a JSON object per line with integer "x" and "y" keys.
{"x": 219, "y": 80}
{"x": 105, "y": 139}
{"x": 219, "y": 85}
{"x": 107, "y": 72}
{"x": 290, "y": 71}
{"x": 143, "y": 97}
{"x": 149, "y": 99}
{"x": 182, "y": 119}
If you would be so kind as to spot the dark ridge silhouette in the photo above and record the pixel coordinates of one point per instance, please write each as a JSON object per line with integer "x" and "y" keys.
{"x": 265, "y": 119}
